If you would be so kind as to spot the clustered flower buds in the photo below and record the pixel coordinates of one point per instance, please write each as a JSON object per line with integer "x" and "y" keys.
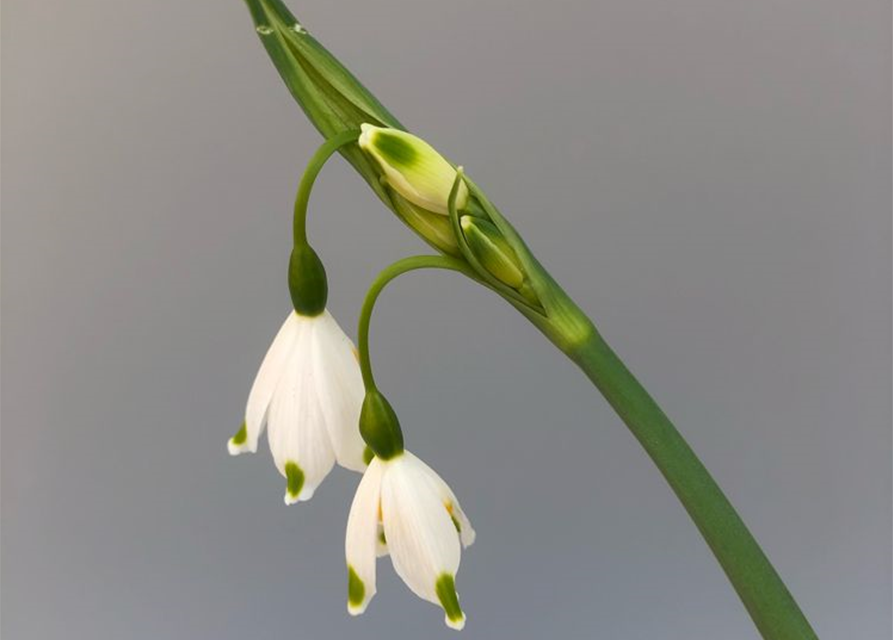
{"x": 425, "y": 179}
{"x": 307, "y": 394}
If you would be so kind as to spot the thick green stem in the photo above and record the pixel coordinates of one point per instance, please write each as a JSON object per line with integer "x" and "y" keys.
{"x": 765, "y": 596}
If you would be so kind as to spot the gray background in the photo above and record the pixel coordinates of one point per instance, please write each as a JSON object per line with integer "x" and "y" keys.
{"x": 711, "y": 180}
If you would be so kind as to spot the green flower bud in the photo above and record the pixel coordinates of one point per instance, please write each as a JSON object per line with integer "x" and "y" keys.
{"x": 433, "y": 227}
{"x": 412, "y": 167}
{"x": 492, "y": 250}
{"x": 379, "y": 426}
{"x": 307, "y": 281}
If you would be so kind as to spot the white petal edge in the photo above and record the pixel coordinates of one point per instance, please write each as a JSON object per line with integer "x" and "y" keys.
{"x": 466, "y": 532}
{"x": 361, "y": 538}
{"x": 271, "y": 370}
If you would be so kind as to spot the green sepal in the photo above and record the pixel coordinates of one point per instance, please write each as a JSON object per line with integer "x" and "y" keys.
{"x": 380, "y": 427}
{"x": 307, "y": 281}
{"x": 433, "y": 227}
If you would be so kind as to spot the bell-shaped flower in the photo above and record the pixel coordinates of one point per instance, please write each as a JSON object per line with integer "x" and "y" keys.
{"x": 412, "y": 167}
{"x": 307, "y": 394}
{"x": 404, "y": 508}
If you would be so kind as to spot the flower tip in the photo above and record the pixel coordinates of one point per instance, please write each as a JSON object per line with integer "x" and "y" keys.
{"x": 239, "y": 442}
{"x": 303, "y": 495}
{"x": 357, "y": 596}
{"x": 238, "y": 449}
{"x": 456, "y": 624}
{"x": 233, "y": 448}
{"x": 449, "y": 600}
{"x": 296, "y": 487}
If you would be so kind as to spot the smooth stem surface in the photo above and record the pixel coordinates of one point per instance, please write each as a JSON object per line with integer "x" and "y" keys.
{"x": 315, "y": 165}
{"x": 398, "y": 268}
{"x": 765, "y": 596}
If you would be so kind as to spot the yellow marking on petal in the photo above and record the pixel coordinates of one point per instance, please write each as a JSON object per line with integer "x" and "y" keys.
{"x": 449, "y": 508}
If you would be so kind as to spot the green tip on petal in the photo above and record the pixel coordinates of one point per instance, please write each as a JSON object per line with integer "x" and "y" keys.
{"x": 294, "y": 482}
{"x": 356, "y": 591}
{"x": 241, "y": 435}
{"x": 396, "y": 150}
{"x": 449, "y": 600}
{"x": 239, "y": 442}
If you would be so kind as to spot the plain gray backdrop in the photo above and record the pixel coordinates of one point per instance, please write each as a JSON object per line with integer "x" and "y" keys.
{"x": 711, "y": 180}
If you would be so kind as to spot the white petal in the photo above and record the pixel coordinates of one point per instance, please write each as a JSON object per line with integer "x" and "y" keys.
{"x": 381, "y": 543}
{"x": 265, "y": 383}
{"x": 361, "y": 541}
{"x": 341, "y": 390}
{"x": 297, "y": 432}
{"x": 461, "y": 521}
{"x": 422, "y": 540}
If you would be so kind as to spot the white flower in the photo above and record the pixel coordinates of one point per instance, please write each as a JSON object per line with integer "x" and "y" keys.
{"x": 308, "y": 394}
{"x": 403, "y": 507}
{"x": 413, "y": 168}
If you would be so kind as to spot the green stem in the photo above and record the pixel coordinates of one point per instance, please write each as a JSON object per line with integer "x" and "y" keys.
{"x": 315, "y": 165}
{"x": 398, "y": 268}
{"x": 760, "y": 588}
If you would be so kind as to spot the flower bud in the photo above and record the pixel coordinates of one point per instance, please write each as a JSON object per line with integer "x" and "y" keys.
{"x": 413, "y": 168}
{"x": 433, "y": 227}
{"x": 492, "y": 251}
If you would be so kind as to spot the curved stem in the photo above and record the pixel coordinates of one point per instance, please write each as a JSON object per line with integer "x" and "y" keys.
{"x": 398, "y": 268}
{"x": 316, "y": 163}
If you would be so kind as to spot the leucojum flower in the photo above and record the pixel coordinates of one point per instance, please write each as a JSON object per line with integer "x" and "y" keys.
{"x": 404, "y": 508}
{"x": 308, "y": 391}
{"x": 307, "y": 394}
{"x": 320, "y": 406}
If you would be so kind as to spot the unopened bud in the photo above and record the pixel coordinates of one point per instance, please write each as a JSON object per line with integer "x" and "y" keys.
{"x": 413, "y": 168}
{"x": 492, "y": 251}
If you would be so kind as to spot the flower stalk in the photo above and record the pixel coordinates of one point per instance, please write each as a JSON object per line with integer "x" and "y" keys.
{"x": 489, "y": 250}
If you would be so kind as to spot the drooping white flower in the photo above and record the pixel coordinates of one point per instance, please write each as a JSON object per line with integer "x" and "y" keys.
{"x": 404, "y": 508}
{"x": 307, "y": 394}
{"x": 412, "y": 167}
